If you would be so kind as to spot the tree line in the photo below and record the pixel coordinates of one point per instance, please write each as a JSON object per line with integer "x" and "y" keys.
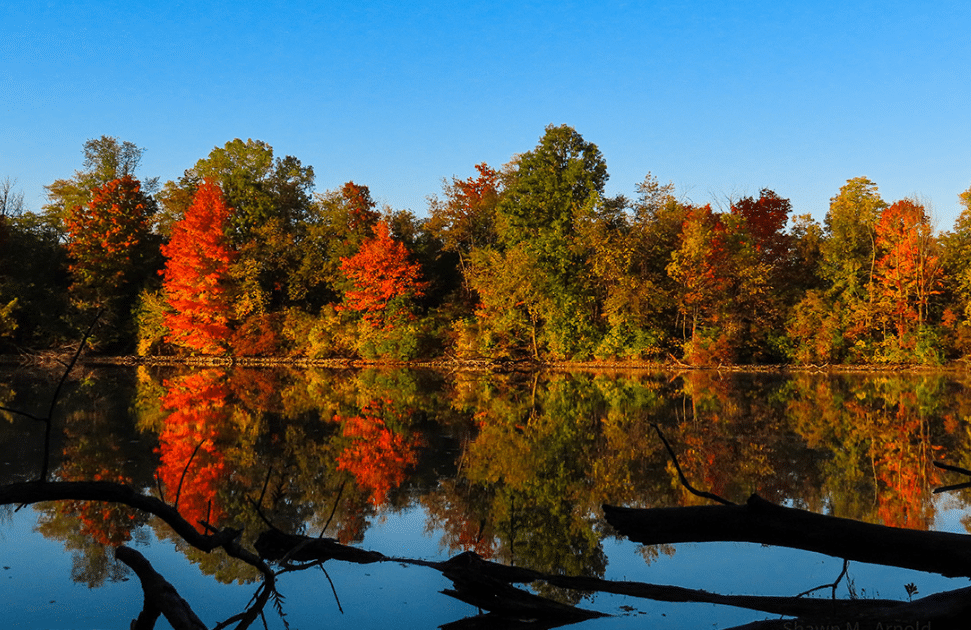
{"x": 531, "y": 260}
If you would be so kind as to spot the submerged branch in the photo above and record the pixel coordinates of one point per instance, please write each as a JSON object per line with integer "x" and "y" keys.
{"x": 160, "y": 596}
{"x": 33, "y": 492}
{"x": 762, "y": 522}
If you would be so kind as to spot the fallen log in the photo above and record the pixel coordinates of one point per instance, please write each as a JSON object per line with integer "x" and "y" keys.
{"x": 160, "y": 596}
{"x": 760, "y": 521}
{"x": 35, "y": 492}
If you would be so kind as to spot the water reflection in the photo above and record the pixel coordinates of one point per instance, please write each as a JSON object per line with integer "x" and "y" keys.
{"x": 511, "y": 466}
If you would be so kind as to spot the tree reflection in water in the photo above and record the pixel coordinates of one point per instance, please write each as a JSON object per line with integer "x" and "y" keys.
{"x": 513, "y": 467}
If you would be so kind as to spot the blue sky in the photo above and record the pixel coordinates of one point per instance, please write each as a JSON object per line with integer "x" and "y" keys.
{"x": 719, "y": 98}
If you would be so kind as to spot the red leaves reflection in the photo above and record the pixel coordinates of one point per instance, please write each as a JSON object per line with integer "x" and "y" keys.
{"x": 378, "y": 457}
{"x": 189, "y": 444}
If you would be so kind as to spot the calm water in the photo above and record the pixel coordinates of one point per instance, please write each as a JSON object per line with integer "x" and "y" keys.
{"x": 423, "y": 464}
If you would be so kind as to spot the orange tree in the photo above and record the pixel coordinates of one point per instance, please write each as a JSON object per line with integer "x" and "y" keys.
{"x": 383, "y": 282}
{"x": 192, "y": 464}
{"x": 377, "y": 456}
{"x": 907, "y": 273}
{"x": 196, "y": 275}
{"x": 110, "y": 247}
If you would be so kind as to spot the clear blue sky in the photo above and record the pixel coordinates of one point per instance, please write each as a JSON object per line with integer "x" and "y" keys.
{"x": 719, "y": 98}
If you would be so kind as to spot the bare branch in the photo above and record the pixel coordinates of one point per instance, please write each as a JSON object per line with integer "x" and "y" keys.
{"x": 684, "y": 480}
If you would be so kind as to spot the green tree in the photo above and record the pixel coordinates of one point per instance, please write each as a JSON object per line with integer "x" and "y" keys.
{"x": 549, "y": 190}
{"x": 105, "y": 159}
{"x": 850, "y": 249}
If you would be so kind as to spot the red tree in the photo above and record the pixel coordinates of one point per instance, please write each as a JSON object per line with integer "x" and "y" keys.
{"x": 192, "y": 466}
{"x": 378, "y": 457}
{"x": 196, "y": 274}
{"x": 107, "y": 237}
{"x": 765, "y": 219}
{"x": 382, "y": 279}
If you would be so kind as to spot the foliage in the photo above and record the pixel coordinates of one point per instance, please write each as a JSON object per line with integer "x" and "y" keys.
{"x": 110, "y": 247}
{"x": 378, "y": 457}
{"x": 530, "y": 260}
{"x": 466, "y": 219}
{"x": 105, "y": 159}
{"x": 907, "y": 274}
{"x": 383, "y": 283}
{"x": 192, "y": 464}
{"x": 195, "y": 275}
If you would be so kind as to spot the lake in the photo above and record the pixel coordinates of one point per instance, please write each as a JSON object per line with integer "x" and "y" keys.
{"x": 425, "y": 464}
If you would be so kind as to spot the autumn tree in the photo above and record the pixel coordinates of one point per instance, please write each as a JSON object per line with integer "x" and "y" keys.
{"x": 956, "y": 276}
{"x": 196, "y": 275}
{"x": 764, "y": 220}
{"x": 271, "y": 199}
{"x": 105, "y": 159}
{"x": 836, "y": 322}
{"x": 908, "y": 270}
{"x": 110, "y": 244}
{"x": 466, "y": 218}
{"x": 721, "y": 286}
{"x": 383, "y": 284}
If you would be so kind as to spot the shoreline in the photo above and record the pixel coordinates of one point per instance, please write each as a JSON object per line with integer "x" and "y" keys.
{"x": 500, "y": 366}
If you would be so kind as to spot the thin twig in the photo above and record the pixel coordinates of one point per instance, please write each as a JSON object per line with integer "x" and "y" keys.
{"x": 839, "y": 578}
{"x": 70, "y": 365}
{"x": 48, "y": 422}
{"x": 684, "y": 480}
{"x": 178, "y": 492}
{"x": 334, "y": 509}
{"x": 266, "y": 483}
{"x": 334, "y": 590}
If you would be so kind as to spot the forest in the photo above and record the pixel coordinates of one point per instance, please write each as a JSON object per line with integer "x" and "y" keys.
{"x": 527, "y": 261}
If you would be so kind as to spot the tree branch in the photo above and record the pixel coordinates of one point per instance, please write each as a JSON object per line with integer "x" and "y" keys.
{"x": 759, "y": 521}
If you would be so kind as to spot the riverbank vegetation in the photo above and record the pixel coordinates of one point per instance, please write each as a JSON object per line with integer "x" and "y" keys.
{"x": 242, "y": 257}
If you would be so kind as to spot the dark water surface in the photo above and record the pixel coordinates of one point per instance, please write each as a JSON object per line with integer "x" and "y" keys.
{"x": 425, "y": 464}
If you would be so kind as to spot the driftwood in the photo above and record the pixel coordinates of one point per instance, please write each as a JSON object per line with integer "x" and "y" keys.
{"x": 35, "y": 492}
{"x": 160, "y": 596}
{"x": 485, "y": 584}
{"x": 759, "y": 521}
